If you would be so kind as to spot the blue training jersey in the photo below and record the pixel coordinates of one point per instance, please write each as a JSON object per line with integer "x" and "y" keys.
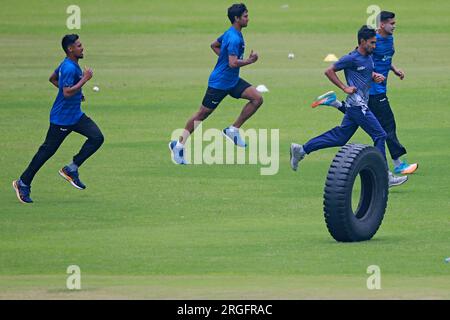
{"x": 67, "y": 111}
{"x": 358, "y": 73}
{"x": 232, "y": 44}
{"x": 382, "y": 57}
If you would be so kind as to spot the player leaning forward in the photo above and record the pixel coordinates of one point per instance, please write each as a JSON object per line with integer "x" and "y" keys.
{"x": 359, "y": 72}
{"x": 66, "y": 116}
{"x": 223, "y": 81}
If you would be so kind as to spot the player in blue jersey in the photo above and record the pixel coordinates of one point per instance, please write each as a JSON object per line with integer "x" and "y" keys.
{"x": 378, "y": 101}
{"x": 359, "y": 73}
{"x": 223, "y": 81}
{"x": 66, "y": 116}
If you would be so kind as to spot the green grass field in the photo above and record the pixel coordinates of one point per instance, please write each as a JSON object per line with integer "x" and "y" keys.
{"x": 145, "y": 228}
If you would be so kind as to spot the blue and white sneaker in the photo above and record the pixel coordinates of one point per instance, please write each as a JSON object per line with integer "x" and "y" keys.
{"x": 177, "y": 153}
{"x": 325, "y": 100}
{"x": 234, "y": 136}
{"x": 22, "y": 192}
{"x": 72, "y": 177}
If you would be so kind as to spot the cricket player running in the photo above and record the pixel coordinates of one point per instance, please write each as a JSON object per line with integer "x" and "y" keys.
{"x": 66, "y": 116}
{"x": 224, "y": 80}
{"x": 378, "y": 101}
{"x": 359, "y": 72}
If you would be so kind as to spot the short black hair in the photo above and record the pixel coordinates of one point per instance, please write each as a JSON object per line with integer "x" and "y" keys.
{"x": 236, "y": 10}
{"x": 385, "y": 15}
{"x": 366, "y": 33}
{"x": 68, "y": 40}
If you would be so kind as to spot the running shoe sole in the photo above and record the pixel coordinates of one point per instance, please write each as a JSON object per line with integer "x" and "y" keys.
{"x": 411, "y": 169}
{"x": 16, "y": 188}
{"x": 66, "y": 177}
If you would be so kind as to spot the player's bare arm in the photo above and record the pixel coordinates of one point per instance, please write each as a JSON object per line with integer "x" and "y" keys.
{"x": 378, "y": 77}
{"x": 332, "y": 76}
{"x": 398, "y": 72}
{"x": 234, "y": 62}
{"x": 70, "y": 91}
{"x": 54, "y": 79}
{"x": 215, "y": 46}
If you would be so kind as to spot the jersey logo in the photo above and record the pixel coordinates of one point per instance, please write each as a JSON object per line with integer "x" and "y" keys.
{"x": 361, "y": 68}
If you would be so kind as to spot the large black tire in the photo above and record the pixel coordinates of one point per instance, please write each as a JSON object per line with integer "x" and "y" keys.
{"x": 367, "y": 162}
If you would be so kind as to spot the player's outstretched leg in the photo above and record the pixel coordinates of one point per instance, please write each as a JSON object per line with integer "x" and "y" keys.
{"x": 177, "y": 147}
{"x": 55, "y": 136}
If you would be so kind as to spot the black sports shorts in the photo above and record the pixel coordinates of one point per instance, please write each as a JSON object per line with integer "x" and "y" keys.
{"x": 213, "y": 96}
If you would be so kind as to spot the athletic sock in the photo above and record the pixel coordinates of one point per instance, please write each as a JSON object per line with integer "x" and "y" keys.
{"x": 233, "y": 129}
{"x": 336, "y": 104}
{"x": 302, "y": 151}
{"x": 397, "y": 162}
{"x": 179, "y": 145}
{"x": 72, "y": 167}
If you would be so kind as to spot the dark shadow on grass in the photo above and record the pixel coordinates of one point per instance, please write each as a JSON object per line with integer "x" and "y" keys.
{"x": 385, "y": 239}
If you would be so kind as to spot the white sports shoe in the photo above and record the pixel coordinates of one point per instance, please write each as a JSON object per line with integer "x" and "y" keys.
{"x": 297, "y": 154}
{"x": 396, "y": 180}
{"x": 234, "y": 136}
